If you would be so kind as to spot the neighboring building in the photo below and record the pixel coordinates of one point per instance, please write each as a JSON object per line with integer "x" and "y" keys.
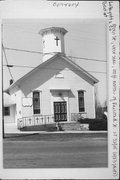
{"x": 56, "y": 90}
{"x": 9, "y": 108}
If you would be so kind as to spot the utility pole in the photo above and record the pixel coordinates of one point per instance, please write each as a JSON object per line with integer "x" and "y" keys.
{"x": 3, "y": 130}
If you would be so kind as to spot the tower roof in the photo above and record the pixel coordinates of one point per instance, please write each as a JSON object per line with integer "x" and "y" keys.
{"x": 53, "y": 29}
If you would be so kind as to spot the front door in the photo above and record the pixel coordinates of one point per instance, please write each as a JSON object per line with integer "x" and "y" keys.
{"x": 60, "y": 111}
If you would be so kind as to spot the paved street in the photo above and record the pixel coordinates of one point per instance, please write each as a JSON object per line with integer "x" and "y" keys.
{"x": 55, "y": 151}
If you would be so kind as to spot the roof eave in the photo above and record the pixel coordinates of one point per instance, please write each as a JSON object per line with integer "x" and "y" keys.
{"x": 26, "y": 75}
{"x": 44, "y": 63}
{"x": 84, "y": 71}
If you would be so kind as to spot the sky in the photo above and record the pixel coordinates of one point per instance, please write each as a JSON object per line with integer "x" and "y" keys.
{"x": 85, "y": 39}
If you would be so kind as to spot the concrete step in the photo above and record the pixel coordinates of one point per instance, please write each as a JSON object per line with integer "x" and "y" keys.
{"x": 47, "y": 127}
{"x": 71, "y": 126}
{"x": 74, "y": 127}
{"x": 58, "y": 127}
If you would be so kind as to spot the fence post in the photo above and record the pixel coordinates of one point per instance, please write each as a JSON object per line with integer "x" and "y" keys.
{"x": 48, "y": 118}
{"x": 45, "y": 120}
{"x": 23, "y": 122}
{"x": 18, "y": 123}
{"x": 34, "y": 120}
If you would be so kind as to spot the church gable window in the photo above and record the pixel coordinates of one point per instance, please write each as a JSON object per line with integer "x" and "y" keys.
{"x": 81, "y": 101}
{"x": 59, "y": 75}
{"x": 36, "y": 102}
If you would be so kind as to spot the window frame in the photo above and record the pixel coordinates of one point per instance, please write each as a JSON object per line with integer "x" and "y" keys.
{"x": 83, "y": 101}
{"x": 39, "y": 102}
{"x": 8, "y": 111}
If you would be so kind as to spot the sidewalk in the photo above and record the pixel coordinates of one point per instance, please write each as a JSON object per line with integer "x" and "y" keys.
{"x": 12, "y": 129}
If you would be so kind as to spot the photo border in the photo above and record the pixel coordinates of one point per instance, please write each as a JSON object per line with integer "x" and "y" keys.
{"x": 108, "y": 10}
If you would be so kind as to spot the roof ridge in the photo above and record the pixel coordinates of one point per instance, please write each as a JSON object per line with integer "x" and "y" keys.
{"x": 62, "y": 55}
{"x": 81, "y": 68}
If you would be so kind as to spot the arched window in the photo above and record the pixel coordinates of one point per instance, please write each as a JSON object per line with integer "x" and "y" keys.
{"x": 81, "y": 100}
{"x": 36, "y": 102}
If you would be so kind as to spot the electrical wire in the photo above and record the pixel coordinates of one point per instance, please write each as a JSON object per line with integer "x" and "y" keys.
{"x": 18, "y": 29}
{"x": 29, "y": 51}
{"x": 87, "y": 59}
{"x": 38, "y": 52}
{"x": 7, "y": 62}
{"x": 19, "y": 66}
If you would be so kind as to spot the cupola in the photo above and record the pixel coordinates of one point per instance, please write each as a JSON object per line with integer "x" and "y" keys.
{"x": 52, "y": 41}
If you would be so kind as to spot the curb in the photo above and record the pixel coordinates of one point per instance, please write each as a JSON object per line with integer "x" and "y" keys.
{"x": 59, "y": 132}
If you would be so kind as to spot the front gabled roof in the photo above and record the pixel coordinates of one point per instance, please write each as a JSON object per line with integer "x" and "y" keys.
{"x": 92, "y": 78}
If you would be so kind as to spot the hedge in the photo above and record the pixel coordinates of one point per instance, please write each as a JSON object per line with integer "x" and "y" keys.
{"x": 95, "y": 124}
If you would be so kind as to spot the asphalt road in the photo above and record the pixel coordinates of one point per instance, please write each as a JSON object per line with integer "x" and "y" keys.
{"x": 55, "y": 151}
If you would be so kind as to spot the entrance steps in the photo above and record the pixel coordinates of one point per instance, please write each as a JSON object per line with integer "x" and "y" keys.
{"x": 45, "y": 127}
{"x": 74, "y": 126}
{"x": 61, "y": 126}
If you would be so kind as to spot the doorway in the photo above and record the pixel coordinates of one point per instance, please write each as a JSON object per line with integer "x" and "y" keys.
{"x": 60, "y": 111}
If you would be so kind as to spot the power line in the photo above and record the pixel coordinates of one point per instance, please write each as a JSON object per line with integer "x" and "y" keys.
{"x": 21, "y": 66}
{"x": 29, "y": 51}
{"x": 23, "y": 50}
{"x": 20, "y": 30}
{"x": 8, "y": 65}
{"x": 87, "y": 59}
{"x": 71, "y": 36}
{"x": 98, "y": 43}
{"x": 18, "y": 27}
{"x": 23, "y": 31}
{"x": 38, "y": 52}
{"x": 78, "y": 38}
{"x": 98, "y": 72}
{"x": 7, "y": 62}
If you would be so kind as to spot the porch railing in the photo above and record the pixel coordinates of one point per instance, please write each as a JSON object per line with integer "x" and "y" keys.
{"x": 35, "y": 120}
{"x": 77, "y": 116}
{"x": 43, "y": 119}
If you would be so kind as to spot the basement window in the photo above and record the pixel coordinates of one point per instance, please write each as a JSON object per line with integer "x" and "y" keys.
{"x": 6, "y": 111}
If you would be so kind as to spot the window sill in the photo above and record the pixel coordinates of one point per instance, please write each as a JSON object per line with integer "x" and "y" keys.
{"x": 82, "y": 112}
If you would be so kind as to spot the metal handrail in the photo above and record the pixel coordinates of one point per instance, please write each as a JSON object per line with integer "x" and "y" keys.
{"x": 35, "y": 120}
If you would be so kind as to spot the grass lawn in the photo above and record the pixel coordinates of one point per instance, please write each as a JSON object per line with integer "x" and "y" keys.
{"x": 55, "y": 151}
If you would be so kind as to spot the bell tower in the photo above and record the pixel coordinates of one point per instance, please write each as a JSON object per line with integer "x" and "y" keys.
{"x": 52, "y": 41}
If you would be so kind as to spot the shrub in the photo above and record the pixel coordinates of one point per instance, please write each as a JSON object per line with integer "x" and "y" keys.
{"x": 95, "y": 124}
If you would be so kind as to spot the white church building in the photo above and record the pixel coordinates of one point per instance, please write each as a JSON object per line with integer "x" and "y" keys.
{"x": 56, "y": 90}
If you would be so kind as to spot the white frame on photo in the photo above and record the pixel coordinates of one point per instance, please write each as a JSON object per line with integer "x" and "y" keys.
{"x": 106, "y": 10}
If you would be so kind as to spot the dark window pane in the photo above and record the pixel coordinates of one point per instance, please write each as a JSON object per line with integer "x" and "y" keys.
{"x": 36, "y": 102}
{"x": 81, "y": 101}
{"x": 82, "y": 109}
{"x": 6, "y": 111}
{"x": 36, "y": 111}
{"x": 81, "y": 93}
